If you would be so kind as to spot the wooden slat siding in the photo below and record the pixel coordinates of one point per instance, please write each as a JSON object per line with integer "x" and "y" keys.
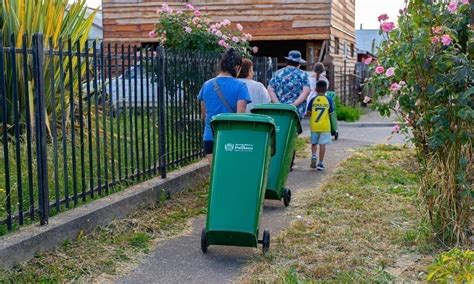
{"x": 342, "y": 27}
{"x": 264, "y": 19}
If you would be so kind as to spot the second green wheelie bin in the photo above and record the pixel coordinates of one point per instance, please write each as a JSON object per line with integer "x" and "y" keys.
{"x": 243, "y": 147}
{"x": 333, "y": 115}
{"x": 288, "y": 127}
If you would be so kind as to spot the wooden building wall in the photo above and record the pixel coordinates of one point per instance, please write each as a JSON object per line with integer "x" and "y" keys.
{"x": 264, "y": 19}
{"x": 342, "y": 43}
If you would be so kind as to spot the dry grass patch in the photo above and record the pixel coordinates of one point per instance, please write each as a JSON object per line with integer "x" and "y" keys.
{"x": 301, "y": 147}
{"x": 355, "y": 228}
{"x": 116, "y": 248}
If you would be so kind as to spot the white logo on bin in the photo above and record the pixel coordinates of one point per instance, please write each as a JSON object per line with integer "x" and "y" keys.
{"x": 277, "y": 128}
{"x": 231, "y": 147}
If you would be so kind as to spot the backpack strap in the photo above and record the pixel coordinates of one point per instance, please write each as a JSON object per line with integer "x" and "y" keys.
{"x": 221, "y": 96}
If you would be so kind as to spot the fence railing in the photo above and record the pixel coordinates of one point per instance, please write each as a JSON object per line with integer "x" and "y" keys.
{"x": 79, "y": 120}
{"x": 346, "y": 83}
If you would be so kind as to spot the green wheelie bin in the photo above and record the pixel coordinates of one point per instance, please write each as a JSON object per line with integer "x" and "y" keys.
{"x": 243, "y": 147}
{"x": 333, "y": 115}
{"x": 288, "y": 127}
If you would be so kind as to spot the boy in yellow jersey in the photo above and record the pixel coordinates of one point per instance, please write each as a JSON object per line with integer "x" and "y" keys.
{"x": 319, "y": 109}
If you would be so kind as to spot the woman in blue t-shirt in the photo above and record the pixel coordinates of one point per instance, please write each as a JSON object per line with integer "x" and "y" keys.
{"x": 222, "y": 94}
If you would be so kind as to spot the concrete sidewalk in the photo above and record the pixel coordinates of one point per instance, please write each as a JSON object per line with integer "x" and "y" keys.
{"x": 180, "y": 260}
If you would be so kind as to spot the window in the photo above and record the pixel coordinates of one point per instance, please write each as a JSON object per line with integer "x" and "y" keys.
{"x": 336, "y": 45}
{"x": 352, "y": 50}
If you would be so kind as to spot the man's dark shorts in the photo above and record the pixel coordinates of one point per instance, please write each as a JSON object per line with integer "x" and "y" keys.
{"x": 208, "y": 147}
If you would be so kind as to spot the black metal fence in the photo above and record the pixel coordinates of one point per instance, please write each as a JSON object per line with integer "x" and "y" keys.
{"x": 81, "y": 120}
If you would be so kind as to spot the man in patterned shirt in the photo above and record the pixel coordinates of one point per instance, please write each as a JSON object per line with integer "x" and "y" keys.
{"x": 290, "y": 85}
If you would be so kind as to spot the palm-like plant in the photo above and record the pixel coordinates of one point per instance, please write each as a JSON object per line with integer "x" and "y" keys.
{"x": 60, "y": 23}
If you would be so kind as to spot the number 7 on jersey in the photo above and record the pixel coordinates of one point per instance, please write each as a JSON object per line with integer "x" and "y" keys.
{"x": 320, "y": 111}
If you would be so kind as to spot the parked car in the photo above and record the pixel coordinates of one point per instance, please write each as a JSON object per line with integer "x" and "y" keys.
{"x": 131, "y": 89}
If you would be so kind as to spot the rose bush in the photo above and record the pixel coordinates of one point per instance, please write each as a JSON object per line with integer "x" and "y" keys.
{"x": 190, "y": 29}
{"x": 429, "y": 84}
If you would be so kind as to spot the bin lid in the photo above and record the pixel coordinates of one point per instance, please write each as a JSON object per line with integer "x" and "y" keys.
{"x": 280, "y": 107}
{"x": 331, "y": 94}
{"x": 250, "y": 118}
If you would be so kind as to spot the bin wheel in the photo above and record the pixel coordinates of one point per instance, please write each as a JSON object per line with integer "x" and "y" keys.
{"x": 336, "y": 136}
{"x": 204, "y": 243}
{"x": 266, "y": 241}
{"x": 286, "y": 197}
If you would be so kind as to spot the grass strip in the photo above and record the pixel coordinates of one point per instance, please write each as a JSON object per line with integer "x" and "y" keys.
{"x": 115, "y": 249}
{"x": 362, "y": 225}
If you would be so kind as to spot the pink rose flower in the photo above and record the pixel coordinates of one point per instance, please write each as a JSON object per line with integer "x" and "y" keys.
{"x": 452, "y": 7}
{"x": 402, "y": 83}
{"x": 166, "y": 9}
{"x": 396, "y": 129}
{"x": 224, "y": 37}
{"x": 235, "y": 39}
{"x": 248, "y": 36}
{"x": 189, "y": 6}
{"x": 196, "y": 20}
{"x": 188, "y": 30}
{"x": 218, "y": 33}
{"x": 197, "y": 13}
{"x": 366, "y": 100}
{"x": 222, "y": 43}
{"x": 226, "y": 22}
{"x": 437, "y": 30}
{"x": 199, "y": 26}
{"x": 390, "y": 72}
{"x": 446, "y": 40}
{"x": 395, "y": 87}
{"x": 179, "y": 12}
{"x": 240, "y": 27}
{"x": 465, "y": 2}
{"x": 379, "y": 69}
{"x": 368, "y": 60}
{"x": 255, "y": 49}
{"x": 152, "y": 34}
{"x": 387, "y": 26}
{"x": 382, "y": 17}
{"x": 435, "y": 40}
{"x": 218, "y": 25}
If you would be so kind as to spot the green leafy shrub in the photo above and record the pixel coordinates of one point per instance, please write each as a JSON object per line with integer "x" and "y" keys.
{"x": 59, "y": 20}
{"x": 191, "y": 29}
{"x": 424, "y": 75}
{"x": 454, "y": 266}
{"x": 346, "y": 113}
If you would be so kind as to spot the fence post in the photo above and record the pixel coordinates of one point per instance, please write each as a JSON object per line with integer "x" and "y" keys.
{"x": 345, "y": 82}
{"x": 162, "y": 112}
{"x": 40, "y": 125}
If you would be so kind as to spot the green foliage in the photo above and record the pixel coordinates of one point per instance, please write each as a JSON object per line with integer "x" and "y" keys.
{"x": 431, "y": 89}
{"x": 56, "y": 20}
{"x": 454, "y": 266}
{"x": 346, "y": 113}
{"x": 190, "y": 29}
{"x": 140, "y": 240}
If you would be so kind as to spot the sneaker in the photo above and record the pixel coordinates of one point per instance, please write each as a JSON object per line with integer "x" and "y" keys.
{"x": 314, "y": 159}
{"x": 320, "y": 167}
